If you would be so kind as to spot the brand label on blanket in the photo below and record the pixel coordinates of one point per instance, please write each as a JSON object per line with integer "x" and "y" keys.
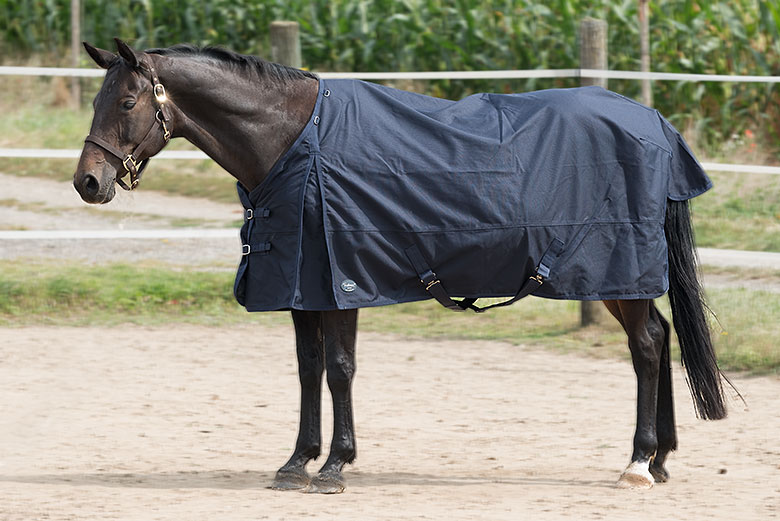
{"x": 348, "y": 286}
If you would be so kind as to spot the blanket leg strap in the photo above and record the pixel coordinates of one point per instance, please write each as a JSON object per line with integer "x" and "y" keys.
{"x": 434, "y": 286}
{"x": 432, "y": 283}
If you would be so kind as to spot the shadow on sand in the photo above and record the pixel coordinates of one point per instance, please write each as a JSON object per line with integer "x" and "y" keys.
{"x": 240, "y": 480}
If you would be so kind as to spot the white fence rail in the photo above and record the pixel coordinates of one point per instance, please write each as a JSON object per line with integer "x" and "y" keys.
{"x": 742, "y": 169}
{"x": 709, "y": 256}
{"x": 189, "y": 233}
{"x": 451, "y": 75}
{"x": 55, "y": 153}
{"x": 60, "y": 153}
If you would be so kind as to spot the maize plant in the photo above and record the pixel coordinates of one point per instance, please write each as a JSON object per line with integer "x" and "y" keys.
{"x": 693, "y": 36}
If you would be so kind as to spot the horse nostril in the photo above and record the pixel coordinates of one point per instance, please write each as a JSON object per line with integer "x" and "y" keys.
{"x": 91, "y": 185}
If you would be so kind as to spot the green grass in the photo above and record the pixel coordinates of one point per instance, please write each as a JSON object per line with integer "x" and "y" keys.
{"x": 748, "y": 329}
{"x": 149, "y": 294}
{"x": 741, "y": 212}
{"x": 84, "y": 295}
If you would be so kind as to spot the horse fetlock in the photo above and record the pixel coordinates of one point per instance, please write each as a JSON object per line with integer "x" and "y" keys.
{"x": 658, "y": 471}
{"x": 308, "y": 454}
{"x": 340, "y": 455}
{"x": 645, "y": 445}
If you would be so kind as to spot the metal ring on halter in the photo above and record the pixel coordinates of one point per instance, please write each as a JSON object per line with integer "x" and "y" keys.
{"x": 159, "y": 93}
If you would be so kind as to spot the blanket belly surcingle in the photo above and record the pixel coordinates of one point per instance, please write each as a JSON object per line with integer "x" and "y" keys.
{"x": 482, "y": 188}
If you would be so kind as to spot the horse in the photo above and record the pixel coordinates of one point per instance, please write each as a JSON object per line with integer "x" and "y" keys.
{"x": 247, "y": 114}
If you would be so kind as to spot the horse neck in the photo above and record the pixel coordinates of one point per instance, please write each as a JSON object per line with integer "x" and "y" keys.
{"x": 241, "y": 120}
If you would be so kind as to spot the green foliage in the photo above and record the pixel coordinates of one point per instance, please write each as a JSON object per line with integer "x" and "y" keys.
{"x": 736, "y": 36}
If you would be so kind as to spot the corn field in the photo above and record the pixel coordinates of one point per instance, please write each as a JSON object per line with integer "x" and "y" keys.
{"x": 721, "y": 37}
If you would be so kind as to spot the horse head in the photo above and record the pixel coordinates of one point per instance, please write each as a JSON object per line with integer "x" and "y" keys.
{"x": 130, "y": 125}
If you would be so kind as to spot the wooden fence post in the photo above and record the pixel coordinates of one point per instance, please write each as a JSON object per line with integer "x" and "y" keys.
{"x": 593, "y": 55}
{"x": 593, "y": 49}
{"x": 286, "y": 44}
{"x": 75, "y": 49}
{"x": 644, "y": 51}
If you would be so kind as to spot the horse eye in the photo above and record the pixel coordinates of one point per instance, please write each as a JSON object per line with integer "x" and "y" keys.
{"x": 129, "y": 104}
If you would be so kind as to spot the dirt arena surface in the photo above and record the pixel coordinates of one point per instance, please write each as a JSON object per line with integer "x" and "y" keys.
{"x": 191, "y": 422}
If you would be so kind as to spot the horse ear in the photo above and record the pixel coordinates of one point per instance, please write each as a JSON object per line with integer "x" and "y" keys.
{"x": 125, "y": 51}
{"x": 101, "y": 57}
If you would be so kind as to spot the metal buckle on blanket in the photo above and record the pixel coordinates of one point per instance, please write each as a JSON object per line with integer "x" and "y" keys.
{"x": 430, "y": 279}
{"x": 249, "y": 213}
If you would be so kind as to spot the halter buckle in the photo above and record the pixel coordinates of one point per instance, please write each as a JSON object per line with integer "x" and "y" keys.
{"x": 131, "y": 159}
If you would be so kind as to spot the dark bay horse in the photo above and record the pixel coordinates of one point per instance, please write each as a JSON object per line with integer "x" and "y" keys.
{"x": 245, "y": 113}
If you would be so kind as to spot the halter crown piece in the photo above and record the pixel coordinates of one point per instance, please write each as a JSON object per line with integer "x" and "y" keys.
{"x": 135, "y": 162}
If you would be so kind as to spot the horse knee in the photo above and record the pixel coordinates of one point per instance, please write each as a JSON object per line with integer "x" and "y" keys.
{"x": 310, "y": 376}
{"x": 340, "y": 374}
{"x": 310, "y": 367}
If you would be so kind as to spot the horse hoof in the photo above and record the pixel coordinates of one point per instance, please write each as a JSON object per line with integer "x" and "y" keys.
{"x": 636, "y": 477}
{"x": 326, "y": 483}
{"x": 291, "y": 480}
{"x": 660, "y": 474}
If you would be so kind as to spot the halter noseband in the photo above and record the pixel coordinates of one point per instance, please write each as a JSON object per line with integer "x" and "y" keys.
{"x": 135, "y": 162}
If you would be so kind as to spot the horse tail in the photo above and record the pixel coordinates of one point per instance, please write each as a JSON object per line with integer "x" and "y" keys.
{"x": 688, "y": 314}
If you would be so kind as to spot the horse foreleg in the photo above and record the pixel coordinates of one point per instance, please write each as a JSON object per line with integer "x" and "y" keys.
{"x": 340, "y": 331}
{"x": 311, "y": 363}
{"x": 665, "y": 424}
{"x": 645, "y": 341}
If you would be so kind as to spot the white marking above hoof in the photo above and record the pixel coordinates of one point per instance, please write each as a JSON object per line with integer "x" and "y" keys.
{"x": 636, "y": 476}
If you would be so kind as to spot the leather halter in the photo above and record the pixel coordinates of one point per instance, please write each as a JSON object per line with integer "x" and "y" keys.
{"x": 135, "y": 162}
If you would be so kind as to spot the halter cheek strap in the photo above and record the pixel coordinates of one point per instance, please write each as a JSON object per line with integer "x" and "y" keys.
{"x": 136, "y": 161}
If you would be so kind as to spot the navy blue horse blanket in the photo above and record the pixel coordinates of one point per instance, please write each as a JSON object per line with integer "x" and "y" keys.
{"x": 383, "y": 183}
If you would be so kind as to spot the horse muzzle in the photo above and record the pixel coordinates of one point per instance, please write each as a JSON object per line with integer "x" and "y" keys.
{"x": 96, "y": 185}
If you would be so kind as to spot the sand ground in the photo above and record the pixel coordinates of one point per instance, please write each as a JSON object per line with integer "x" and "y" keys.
{"x": 191, "y": 422}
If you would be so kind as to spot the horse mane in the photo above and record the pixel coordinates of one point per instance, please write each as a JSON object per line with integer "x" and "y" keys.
{"x": 243, "y": 62}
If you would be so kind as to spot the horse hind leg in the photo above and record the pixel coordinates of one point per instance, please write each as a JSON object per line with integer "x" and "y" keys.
{"x": 340, "y": 330}
{"x": 645, "y": 341}
{"x": 665, "y": 421}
